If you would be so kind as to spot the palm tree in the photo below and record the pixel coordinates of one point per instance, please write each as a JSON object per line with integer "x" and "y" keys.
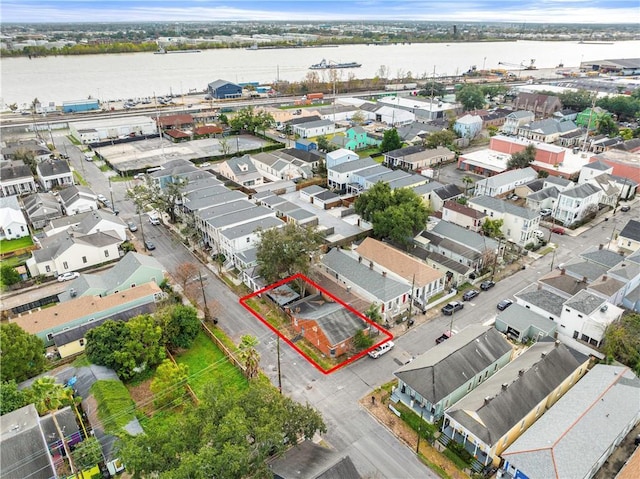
{"x": 249, "y": 356}
{"x": 468, "y": 181}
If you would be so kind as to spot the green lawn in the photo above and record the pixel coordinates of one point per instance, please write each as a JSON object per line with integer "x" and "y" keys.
{"x": 79, "y": 179}
{"x": 207, "y": 364}
{"x": 6, "y": 246}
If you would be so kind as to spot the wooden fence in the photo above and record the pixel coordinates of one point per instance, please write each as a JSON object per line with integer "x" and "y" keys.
{"x": 225, "y": 350}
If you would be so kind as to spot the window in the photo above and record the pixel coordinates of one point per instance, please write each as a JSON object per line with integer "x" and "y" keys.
{"x": 47, "y": 269}
{"x": 9, "y": 231}
{"x": 65, "y": 265}
{"x": 580, "y": 316}
{"x": 84, "y": 259}
{"x": 133, "y": 285}
{"x": 81, "y": 342}
{"x": 522, "y": 425}
{"x": 49, "y": 336}
{"x": 106, "y": 253}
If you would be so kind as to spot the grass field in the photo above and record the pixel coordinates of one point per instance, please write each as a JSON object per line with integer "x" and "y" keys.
{"x": 6, "y": 246}
{"x": 208, "y": 365}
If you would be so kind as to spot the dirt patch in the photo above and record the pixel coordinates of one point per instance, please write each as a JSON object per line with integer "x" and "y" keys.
{"x": 380, "y": 410}
{"x": 143, "y": 397}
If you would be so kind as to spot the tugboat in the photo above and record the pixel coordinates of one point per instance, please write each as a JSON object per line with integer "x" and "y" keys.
{"x": 327, "y": 65}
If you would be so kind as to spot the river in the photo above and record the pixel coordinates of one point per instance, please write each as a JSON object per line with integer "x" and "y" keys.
{"x": 138, "y": 75}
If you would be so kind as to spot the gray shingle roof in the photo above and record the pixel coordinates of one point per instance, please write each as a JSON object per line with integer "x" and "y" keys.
{"x": 14, "y": 171}
{"x": 585, "y": 269}
{"x": 543, "y": 299}
{"x": 585, "y": 302}
{"x": 441, "y": 370}
{"x": 490, "y": 411}
{"x": 509, "y": 177}
{"x": 461, "y": 235}
{"x": 561, "y": 444}
{"x": 521, "y": 319}
{"x": 502, "y": 206}
{"x": 582, "y": 191}
{"x": 631, "y": 230}
{"x": 383, "y": 288}
{"x": 355, "y": 165}
{"x": 543, "y": 194}
{"x": 251, "y": 227}
{"x": 315, "y": 124}
{"x": 53, "y": 168}
{"x": 603, "y": 257}
{"x": 448, "y": 191}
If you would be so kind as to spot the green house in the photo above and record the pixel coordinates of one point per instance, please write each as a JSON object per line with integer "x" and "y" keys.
{"x": 589, "y": 117}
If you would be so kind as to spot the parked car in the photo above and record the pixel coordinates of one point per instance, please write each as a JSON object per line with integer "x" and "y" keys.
{"x": 446, "y": 335}
{"x": 625, "y": 208}
{"x": 206, "y": 164}
{"x": 545, "y": 212}
{"x": 487, "y": 285}
{"x": 68, "y": 276}
{"x": 539, "y": 234}
{"x": 102, "y": 198}
{"x": 382, "y": 349}
{"x": 469, "y": 295}
{"x": 138, "y": 176}
{"x": 154, "y": 220}
{"x": 504, "y": 304}
{"x": 557, "y": 230}
{"x": 450, "y": 308}
{"x": 132, "y": 226}
{"x": 149, "y": 245}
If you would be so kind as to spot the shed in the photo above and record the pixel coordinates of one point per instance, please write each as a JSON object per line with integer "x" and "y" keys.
{"x": 222, "y": 89}
{"x": 306, "y": 145}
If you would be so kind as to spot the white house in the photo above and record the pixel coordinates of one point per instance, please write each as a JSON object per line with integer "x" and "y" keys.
{"x": 575, "y": 203}
{"x": 241, "y": 170}
{"x": 586, "y": 316}
{"x": 78, "y": 199}
{"x": 69, "y": 252}
{"x": 106, "y": 128}
{"x": 314, "y": 128}
{"x": 504, "y": 182}
{"x": 468, "y": 126}
{"x": 519, "y": 223}
{"x": 517, "y": 119}
{"x": 629, "y": 236}
{"x": 339, "y": 175}
{"x": 242, "y": 237}
{"x": 341, "y": 155}
{"x": 54, "y": 173}
{"x": 463, "y": 215}
{"x": 16, "y": 179}
{"x": 13, "y": 224}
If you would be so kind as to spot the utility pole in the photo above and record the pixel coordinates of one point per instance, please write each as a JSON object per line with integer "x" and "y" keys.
{"x": 419, "y": 431}
{"x": 204, "y": 298}
{"x": 279, "y": 373}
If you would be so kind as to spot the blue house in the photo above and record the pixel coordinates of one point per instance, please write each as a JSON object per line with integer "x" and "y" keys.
{"x": 221, "y": 89}
{"x": 306, "y": 145}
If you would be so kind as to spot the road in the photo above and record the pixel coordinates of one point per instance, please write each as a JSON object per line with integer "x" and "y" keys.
{"x": 351, "y": 430}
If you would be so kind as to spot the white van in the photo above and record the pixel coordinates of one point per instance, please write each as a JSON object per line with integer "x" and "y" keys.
{"x": 88, "y": 156}
{"x": 382, "y": 349}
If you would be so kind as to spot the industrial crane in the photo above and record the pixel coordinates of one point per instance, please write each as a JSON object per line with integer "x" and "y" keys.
{"x": 522, "y": 65}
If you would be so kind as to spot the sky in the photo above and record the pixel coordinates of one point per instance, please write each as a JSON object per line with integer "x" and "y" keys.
{"x": 512, "y": 11}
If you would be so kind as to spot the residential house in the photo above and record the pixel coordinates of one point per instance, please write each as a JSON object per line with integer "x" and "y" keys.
{"x": 16, "y": 179}
{"x": 443, "y": 375}
{"x": 242, "y": 237}
{"x": 66, "y": 324}
{"x": 242, "y": 171}
{"x": 541, "y": 301}
{"x": 132, "y": 270}
{"x": 277, "y": 166}
{"x": 492, "y": 416}
{"x": 77, "y": 199}
{"x": 424, "y": 280}
{"x": 217, "y": 205}
{"x": 579, "y": 432}
{"x": 359, "y": 138}
{"x": 460, "y": 244}
{"x": 342, "y": 155}
{"x": 416, "y": 158}
{"x": 54, "y": 174}
{"x": 572, "y": 139}
{"x": 18, "y": 150}
{"x": 566, "y": 114}
{"x": 468, "y": 126}
{"x": 13, "y": 224}
{"x": 575, "y": 204}
{"x": 521, "y": 324}
{"x": 590, "y": 117}
{"x": 328, "y": 325}
{"x": 455, "y": 273}
{"x": 222, "y": 90}
{"x": 439, "y": 196}
{"x": 519, "y": 222}
{"x": 175, "y": 171}
{"x": 463, "y": 215}
{"x": 585, "y": 317}
{"x": 415, "y": 132}
{"x": 392, "y": 296}
{"x": 628, "y": 273}
{"x": 25, "y": 444}
{"x": 515, "y": 120}
{"x": 315, "y": 128}
{"x": 529, "y": 188}
{"x": 339, "y": 175}
{"x": 625, "y": 163}
{"x": 540, "y": 104}
{"x": 614, "y": 188}
{"x": 424, "y": 110}
{"x": 593, "y": 169}
{"x": 96, "y": 221}
{"x": 506, "y": 182}
{"x": 629, "y": 236}
{"x": 547, "y": 130}
{"x": 69, "y": 252}
{"x": 41, "y": 208}
{"x": 305, "y": 145}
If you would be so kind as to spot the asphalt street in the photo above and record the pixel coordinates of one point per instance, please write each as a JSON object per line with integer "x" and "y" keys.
{"x": 351, "y": 430}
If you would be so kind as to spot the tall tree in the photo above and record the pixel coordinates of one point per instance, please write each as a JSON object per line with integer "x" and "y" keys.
{"x": 47, "y": 395}
{"x": 230, "y": 434}
{"x": 468, "y": 181}
{"x": 606, "y": 126}
{"x": 522, "y": 159}
{"x": 397, "y": 215}
{"x": 282, "y": 252}
{"x": 165, "y": 199}
{"x": 249, "y": 356}
{"x": 493, "y": 228}
{"x": 8, "y": 275}
{"x": 104, "y": 340}
{"x": 390, "y": 141}
{"x": 22, "y": 353}
{"x": 471, "y": 97}
{"x": 576, "y": 100}
{"x": 180, "y": 325}
{"x": 88, "y": 453}
{"x": 622, "y": 341}
{"x": 440, "y": 138}
{"x": 11, "y": 398}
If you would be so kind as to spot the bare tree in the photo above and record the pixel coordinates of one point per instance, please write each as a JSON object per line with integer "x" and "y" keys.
{"x": 185, "y": 273}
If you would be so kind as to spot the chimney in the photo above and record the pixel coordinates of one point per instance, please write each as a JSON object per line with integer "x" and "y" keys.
{"x": 562, "y": 271}
{"x": 543, "y": 355}
{"x": 539, "y": 286}
{"x": 600, "y": 246}
{"x": 584, "y": 279}
{"x": 504, "y": 386}
{"x": 521, "y": 372}
{"x": 604, "y": 277}
{"x": 557, "y": 343}
{"x": 384, "y": 274}
{"x": 370, "y": 264}
{"x": 487, "y": 400}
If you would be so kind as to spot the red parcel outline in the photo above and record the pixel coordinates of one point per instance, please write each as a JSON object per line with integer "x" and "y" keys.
{"x": 244, "y": 299}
